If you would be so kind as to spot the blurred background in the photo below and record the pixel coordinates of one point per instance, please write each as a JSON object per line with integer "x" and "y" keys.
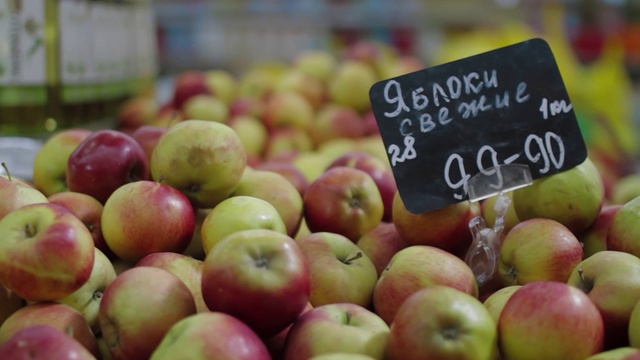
{"x": 77, "y": 63}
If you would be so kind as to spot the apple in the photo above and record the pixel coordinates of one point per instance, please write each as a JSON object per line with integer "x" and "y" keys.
{"x": 335, "y": 121}
{"x": 88, "y": 210}
{"x": 611, "y": 279}
{"x": 488, "y": 212}
{"x": 168, "y": 116}
{"x": 43, "y": 342}
{"x": 312, "y": 164}
{"x": 223, "y": 84}
{"x": 287, "y": 141}
{"x": 312, "y": 88}
{"x": 403, "y": 64}
{"x": 446, "y": 228}
{"x": 205, "y": 107}
{"x": 380, "y": 244}
{"x": 342, "y": 356}
{"x": 247, "y": 105}
{"x": 594, "y": 238}
{"x": 444, "y": 323}
{"x": 345, "y": 201}
{"x": 335, "y": 148}
{"x": 252, "y": 132}
{"x": 88, "y": 297}
{"x": 350, "y": 83}
{"x": 238, "y": 213}
{"x": 538, "y": 249}
{"x": 203, "y": 159}
{"x": 550, "y": 320}
{"x": 288, "y": 109}
{"x": 622, "y": 353}
{"x": 60, "y": 316}
{"x": 340, "y": 271}
{"x": 278, "y": 191}
{"x": 494, "y": 301}
{"x": 104, "y": 161}
{"x": 147, "y": 136}
{"x": 195, "y": 248}
{"x": 370, "y": 123}
{"x": 633, "y": 333}
{"x": 39, "y": 240}
{"x": 139, "y": 307}
{"x": 15, "y": 195}
{"x": 144, "y": 217}
{"x": 623, "y": 230}
{"x": 379, "y": 170}
{"x": 9, "y": 303}
{"x": 188, "y": 269}
{"x": 211, "y": 335}
{"x": 276, "y": 343}
{"x": 573, "y": 197}
{"x": 338, "y": 327}
{"x": 188, "y": 84}
{"x": 625, "y": 189}
{"x": 317, "y": 63}
{"x": 136, "y": 111}
{"x": 288, "y": 170}
{"x": 50, "y": 163}
{"x": 416, "y": 267}
{"x": 259, "y": 276}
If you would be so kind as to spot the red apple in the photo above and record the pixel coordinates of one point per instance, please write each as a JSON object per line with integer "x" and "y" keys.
{"x": 288, "y": 109}
{"x": 144, "y": 217}
{"x": 287, "y": 141}
{"x": 137, "y": 111}
{"x": 148, "y": 136}
{"x": 417, "y": 267}
{"x": 138, "y": 309}
{"x": 550, "y": 320}
{"x": 594, "y": 238}
{"x": 39, "y": 242}
{"x": 43, "y": 342}
{"x": 343, "y": 200}
{"x": 288, "y": 170}
{"x": 276, "y": 343}
{"x": 380, "y": 244}
{"x": 335, "y": 121}
{"x": 247, "y": 106}
{"x": 187, "y": 85}
{"x": 259, "y": 276}
{"x": 104, "y": 161}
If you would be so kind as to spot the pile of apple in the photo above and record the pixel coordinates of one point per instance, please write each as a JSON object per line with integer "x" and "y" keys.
{"x": 256, "y": 217}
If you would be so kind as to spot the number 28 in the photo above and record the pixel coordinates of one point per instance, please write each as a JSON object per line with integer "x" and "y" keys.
{"x": 397, "y": 154}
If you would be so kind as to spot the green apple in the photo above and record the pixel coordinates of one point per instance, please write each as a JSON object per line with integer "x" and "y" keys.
{"x": 203, "y": 159}
{"x": 416, "y": 267}
{"x": 594, "y": 238}
{"x": 624, "y": 234}
{"x": 211, "y": 335}
{"x": 350, "y": 83}
{"x": 223, "y": 85}
{"x": 252, "y": 132}
{"x": 46, "y": 254}
{"x": 340, "y": 270}
{"x": 611, "y": 279}
{"x": 317, "y": 63}
{"x": 573, "y": 197}
{"x": 442, "y": 322}
{"x": 538, "y": 249}
{"x": 206, "y": 107}
{"x": 337, "y": 328}
{"x": 139, "y": 307}
{"x": 88, "y": 297}
{"x": 625, "y": 189}
{"x": 238, "y": 213}
{"x": 495, "y": 301}
{"x": 288, "y": 109}
{"x": 622, "y": 353}
{"x": 312, "y": 88}
{"x": 50, "y": 163}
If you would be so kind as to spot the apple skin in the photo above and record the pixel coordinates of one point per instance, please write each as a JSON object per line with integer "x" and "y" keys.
{"x": 203, "y": 159}
{"x": 611, "y": 279}
{"x": 43, "y": 342}
{"x": 573, "y": 197}
{"x": 211, "y": 335}
{"x": 380, "y": 244}
{"x": 252, "y": 132}
{"x": 594, "y": 238}
{"x": 625, "y": 189}
{"x": 634, "y": 327}
{"x": 623, "y": 230}
{"x": 495, "y": 301}
{"x": 448, "y": 227}
{"x": 247, "y": 105}
{"x": 188, "y": 269}
{"x": 276, "y": 343}
{"x": 104, "y": 161}
{"x": 61, "y": 316}
{"x": 39, "y": 240}
{"x": 288, "y": 109}
{"x": 350, "y": 83}
{"x": 137, "y": 111}
{"x": 333, "y": 121}
{"x": 130, "y": 330}
{"x": 259, "y": 276}
{"x": 288, "y": 170}
{"x": 88, "y": 297}
{"x": 278, "y": 191}
{"x": 338, "y": 327}
{"x": 15, "y": 195}
{"x": 205, "y": 107}
{"x": 538, "y": 249}
{"x": 317, "y": 63}
{"x": 144, "y": 217}
{"x": 417, "y": 267}
{"x": 223, "y": 84}
{"x": 188, "y": 84}
{"x": 380, "y": 172}
{"x": 148, "y": 136}
{"x": 622, "y": 353}
{"x": 444, "y": 323}
{"x": 340, "y": 271}
{"x": 50, "y": 163}
{"x": 88, "y": 210}
{"x": 287, "y": 142}
{"x": 550, "y": 320}
{"x": 345, "y": 201}
{"x": 238, "y": 213}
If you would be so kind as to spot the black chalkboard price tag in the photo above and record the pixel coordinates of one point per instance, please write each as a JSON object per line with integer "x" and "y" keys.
{"x": 444, "y": 124}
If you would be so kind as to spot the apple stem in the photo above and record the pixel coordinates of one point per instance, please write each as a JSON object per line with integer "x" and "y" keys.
{"x": 97, "y": 295}
{"x": 30, "y": 230}
{"x": 348, "y": 314}
{"x": 6, "y": 169}
{"x": 161, "y": 179}
{"x": 357, "y": 256}
{"x": 588, "y": 285}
